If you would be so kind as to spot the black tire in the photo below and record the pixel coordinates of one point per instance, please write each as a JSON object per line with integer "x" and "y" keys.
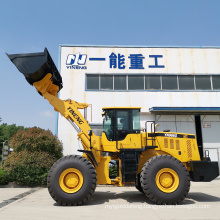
{"x": 138, "y": 184}
{"x": 151, "y": 187}
{"x": 88, "y": 172}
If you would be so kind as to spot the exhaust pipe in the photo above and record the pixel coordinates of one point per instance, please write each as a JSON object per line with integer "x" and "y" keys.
{"x": 35, "y": 66}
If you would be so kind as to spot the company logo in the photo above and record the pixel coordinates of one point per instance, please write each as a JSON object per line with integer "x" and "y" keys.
{"x": 171, "y": 135}
{"x": 76, "y": 61}
{"x": 77, "y": 118}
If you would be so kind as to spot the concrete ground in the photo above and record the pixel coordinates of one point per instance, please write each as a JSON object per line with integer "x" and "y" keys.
{"x": 203, "y": 202}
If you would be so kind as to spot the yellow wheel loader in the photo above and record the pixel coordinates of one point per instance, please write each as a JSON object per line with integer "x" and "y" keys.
{"x": 160, "y": 164}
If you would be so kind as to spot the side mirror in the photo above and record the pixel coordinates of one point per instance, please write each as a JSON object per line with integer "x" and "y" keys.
{"x": 104, "y": 115}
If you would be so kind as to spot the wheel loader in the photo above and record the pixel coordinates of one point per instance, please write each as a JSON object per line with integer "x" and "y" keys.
{"x": 160, "y": 164}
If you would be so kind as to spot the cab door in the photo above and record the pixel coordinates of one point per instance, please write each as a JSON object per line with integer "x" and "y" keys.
{"x": 128, "y": 129}
{"x": 122, "y": 124}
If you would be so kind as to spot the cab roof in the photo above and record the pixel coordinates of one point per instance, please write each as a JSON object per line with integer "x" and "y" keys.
{"x": 106, "y": 108}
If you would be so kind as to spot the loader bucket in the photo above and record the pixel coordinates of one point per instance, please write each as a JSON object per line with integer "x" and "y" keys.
{"x": 35, "y": 66}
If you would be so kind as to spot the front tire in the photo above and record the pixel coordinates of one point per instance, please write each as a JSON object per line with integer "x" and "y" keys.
{"x": 165, "y": 180}
{"x": 72, "y": 180}
{"x": 138, "y": 184}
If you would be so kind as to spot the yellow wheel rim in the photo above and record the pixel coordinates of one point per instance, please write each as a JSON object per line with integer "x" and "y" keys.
{"x": 167, "y": 180}
{"x": 71, "y": 180}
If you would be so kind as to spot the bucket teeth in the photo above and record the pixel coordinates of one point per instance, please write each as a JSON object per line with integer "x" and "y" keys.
{"x": 35, "y": 66}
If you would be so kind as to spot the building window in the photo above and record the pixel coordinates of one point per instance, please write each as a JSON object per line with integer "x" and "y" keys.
{"x": 203, "y": 82}
{"x": 120, "y": 82}
{"x": 152, "y": 82}
{"x": 135, "y": 82}
{"x": 216, "y": 82}
{"x": 110, "y": 82}
{"x": 169, "y": 83}
{"x": 106, "y": 82}
{"x": 186, "y": 83}
{"x": 93, "y": 82}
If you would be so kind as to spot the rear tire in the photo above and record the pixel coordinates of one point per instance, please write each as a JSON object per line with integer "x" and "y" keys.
{"x": 72, "y": 180}
{"x": 165, "y": 180}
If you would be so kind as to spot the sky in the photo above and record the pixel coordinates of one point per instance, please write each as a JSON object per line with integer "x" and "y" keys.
{"x": 28, "y": 26}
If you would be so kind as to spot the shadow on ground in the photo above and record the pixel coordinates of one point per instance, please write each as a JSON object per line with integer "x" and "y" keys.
{"x": 129, "y": 196}
{"x": 203, "y": 197}
{"x": 135, "y": 197}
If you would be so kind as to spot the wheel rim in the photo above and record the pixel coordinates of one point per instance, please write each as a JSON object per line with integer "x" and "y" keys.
{"x": 71, "y": 180}
{"x": 167, "y": 180}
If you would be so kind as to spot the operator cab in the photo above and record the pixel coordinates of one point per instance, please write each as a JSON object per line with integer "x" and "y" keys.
{"x": 119, "y": 122}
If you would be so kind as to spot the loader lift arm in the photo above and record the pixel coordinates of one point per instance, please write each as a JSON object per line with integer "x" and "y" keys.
{"x": 69, "y": 108}
{"x": 40, "y": 71}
